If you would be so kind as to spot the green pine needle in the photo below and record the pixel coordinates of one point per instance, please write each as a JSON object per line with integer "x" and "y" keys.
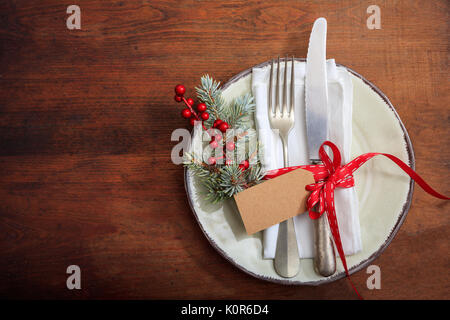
{"x": 223, "y": 181}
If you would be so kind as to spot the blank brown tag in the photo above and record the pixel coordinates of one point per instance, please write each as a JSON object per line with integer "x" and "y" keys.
{"x": 274, "y": 201}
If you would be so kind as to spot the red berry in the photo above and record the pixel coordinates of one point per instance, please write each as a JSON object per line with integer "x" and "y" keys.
{"x": 180, "y": 89}
{"x": 212, "y": 161}
{"x": 217, "y": 123}
{"x": 216, "y": 136}
{"x": 201, "y": 107}
{"x": 192, "y": 121}
{"x": 178, "y": 98}
{"x": 230, "y": 146}
{"x": 190, "y": 102}
{"x": 228, "y": 162}
{"x": 244, "y": 165}
{"x": 204, "y": 115}
{"x": 186, "y": 113}
{"x": 223, "y": 127}
{"x": 213, "y": 144}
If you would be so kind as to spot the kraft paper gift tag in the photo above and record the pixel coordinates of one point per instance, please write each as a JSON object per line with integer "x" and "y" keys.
{"x": 274, "y": 201}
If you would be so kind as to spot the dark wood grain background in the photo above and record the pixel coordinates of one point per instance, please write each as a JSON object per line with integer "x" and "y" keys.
{"x": 85, "y": 123}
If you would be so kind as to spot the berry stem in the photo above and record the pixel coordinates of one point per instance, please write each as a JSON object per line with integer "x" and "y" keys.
{"x": 190, "y": 108}
{"x": 194, "y": 113}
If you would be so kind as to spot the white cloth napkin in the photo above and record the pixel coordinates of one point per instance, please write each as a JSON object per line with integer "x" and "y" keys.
{"x": 340, "y": 96}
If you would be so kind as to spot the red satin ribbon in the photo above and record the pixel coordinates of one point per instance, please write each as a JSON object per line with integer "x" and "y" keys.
{"x": 331, "y": 175}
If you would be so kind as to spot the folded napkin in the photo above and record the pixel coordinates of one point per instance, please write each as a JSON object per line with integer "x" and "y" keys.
{"x": 340, "y": 96}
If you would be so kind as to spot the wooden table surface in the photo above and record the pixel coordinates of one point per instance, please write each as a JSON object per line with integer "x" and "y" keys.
{"x": 86, "y": 118}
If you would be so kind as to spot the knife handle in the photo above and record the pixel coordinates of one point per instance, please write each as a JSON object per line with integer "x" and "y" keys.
{"x": 325, "y": 258}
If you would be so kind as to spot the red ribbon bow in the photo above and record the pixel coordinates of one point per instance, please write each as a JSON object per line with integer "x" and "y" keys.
{"x": 331, "y": 175}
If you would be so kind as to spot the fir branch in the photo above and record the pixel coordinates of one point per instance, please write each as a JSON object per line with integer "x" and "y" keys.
{"x": 255, "y": 175}
{"x": 232, "y": 180}
{"x": 223, "y": 181}
{"x": 209, "y": 92}
{"x": 240, "y": 112}
{"x": 199, "y": 170}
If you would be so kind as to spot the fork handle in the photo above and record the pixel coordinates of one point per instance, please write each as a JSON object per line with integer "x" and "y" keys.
{"x": 284, "y": 141}
{"x": 287, "y": 259}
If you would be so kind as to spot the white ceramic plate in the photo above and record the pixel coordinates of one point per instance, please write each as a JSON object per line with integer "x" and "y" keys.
{"x": 384, "y": 191}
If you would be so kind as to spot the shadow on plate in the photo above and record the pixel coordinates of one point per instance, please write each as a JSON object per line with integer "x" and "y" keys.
{"x": 229, "y": 209}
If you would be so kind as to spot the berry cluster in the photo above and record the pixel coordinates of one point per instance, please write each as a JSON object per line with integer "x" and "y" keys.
{"x": 202, "y": 115}
{"x": 189, "y": 113}
{"x": 216, "y": 141}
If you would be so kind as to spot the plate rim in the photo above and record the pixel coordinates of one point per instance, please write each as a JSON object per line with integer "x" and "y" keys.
{"x": 364, "y": 263}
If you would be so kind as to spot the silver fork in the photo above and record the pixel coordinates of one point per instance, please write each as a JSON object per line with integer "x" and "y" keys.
{"x": 287, "y": 260}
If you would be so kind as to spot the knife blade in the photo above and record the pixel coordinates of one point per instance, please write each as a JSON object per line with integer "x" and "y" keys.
{"x": 316, "y": 102}
{"x": 316, "y": 89}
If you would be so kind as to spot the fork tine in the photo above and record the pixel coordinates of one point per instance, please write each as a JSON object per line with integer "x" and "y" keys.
{"x": 285, "y": 88}
{"x": 277, "y": 89}
{"x": 291, "y": 108}
{"x": 270, "y": 90}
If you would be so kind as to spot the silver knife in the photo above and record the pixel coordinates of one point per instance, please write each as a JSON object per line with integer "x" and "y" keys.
{"x": 316, "y": 95}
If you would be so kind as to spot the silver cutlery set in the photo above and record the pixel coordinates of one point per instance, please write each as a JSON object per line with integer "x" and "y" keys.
{"x": 281, "y": 119}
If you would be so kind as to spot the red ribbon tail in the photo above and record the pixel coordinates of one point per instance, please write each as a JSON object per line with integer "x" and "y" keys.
{"x": 354, "y": 288}
{"x": 418, "y": 179}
